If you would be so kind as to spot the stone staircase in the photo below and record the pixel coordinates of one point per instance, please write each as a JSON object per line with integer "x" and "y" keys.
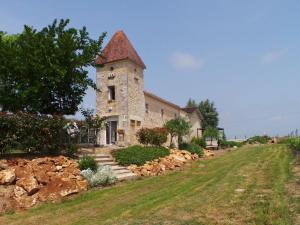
{"x": 103, "y": 159}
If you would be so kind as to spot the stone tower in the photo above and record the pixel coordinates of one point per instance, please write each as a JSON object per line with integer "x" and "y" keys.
{"x": 120, "y": 79}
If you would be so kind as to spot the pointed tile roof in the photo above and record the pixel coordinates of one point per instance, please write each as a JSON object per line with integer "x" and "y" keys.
{"x": 118, "y": 48}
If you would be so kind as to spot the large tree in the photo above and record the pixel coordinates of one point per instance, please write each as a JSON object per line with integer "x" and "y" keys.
{"x": 209, "y": 113}
{"x": 46, "y": 71}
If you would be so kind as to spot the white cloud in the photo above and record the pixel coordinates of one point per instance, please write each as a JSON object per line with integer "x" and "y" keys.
{"x": 277, "y": 118}
{"x": 270, "y": 57}
{"x": 181, "y": 60}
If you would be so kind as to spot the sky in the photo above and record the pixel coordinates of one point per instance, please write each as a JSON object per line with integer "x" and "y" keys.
{"x": 242, "y": 55}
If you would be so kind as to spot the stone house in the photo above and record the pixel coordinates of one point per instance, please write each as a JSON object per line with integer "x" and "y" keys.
{"x": 123, "y": 100}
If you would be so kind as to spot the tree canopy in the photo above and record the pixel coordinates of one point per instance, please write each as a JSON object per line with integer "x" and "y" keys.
{"x": 211, "y": 132}
{"x": 191, "y": 103}
{"x": 45, "y": 71}
{"x": 178, "y": 127}
{"x": 209, "y": 113}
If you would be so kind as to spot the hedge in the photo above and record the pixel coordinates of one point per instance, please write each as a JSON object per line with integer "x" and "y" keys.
{"x": 139, "y": 155}
{"x": 32, "y": 133}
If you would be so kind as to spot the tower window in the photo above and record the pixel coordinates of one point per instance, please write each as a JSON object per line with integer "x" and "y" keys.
{"x": 162, "y": 112}
{"x": 146, "y": 107}
{"x": 111, "y": 68}
{"x": 136, "y": 80}
{"x": 111, "y": 93}
{"x": 132, "y": 123}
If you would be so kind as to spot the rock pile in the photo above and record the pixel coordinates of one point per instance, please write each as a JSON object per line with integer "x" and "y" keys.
{"x": 208, "y": 153}
{"x": 177, "y": 158}
{"x": 24, "y": 183}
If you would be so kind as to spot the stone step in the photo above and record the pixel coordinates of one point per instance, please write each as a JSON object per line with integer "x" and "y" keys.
{"x": 122, "y": 171}
{"x": 126, "y": 176}
{"x": 111, "y": 163}
{"x": 117, "y": 167}
{"x": 96, "y": 155}
{"x": 104, "y": 160}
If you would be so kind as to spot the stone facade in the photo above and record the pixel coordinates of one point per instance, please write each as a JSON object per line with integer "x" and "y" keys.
{"x": 122, "y": 98}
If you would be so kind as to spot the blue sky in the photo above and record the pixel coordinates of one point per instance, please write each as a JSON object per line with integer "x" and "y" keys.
{"x": 243, "y": 55}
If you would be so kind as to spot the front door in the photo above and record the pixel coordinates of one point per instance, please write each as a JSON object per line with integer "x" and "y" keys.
{"x": 111, "y": 132}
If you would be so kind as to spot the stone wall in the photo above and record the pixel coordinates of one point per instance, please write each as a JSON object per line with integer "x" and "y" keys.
{"x": 196, "y": 123}
{"x": 154, "y": 118}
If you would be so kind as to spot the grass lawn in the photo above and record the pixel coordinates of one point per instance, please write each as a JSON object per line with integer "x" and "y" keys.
{"x": 245, "y": 186}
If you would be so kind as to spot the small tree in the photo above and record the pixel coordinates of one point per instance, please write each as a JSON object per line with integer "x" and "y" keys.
{"x": 93, "y": 121}
{"x": 178, "y": 127}
{"x": 211, "y": 133}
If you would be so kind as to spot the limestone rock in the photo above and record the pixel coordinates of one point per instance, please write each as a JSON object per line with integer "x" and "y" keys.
{"x": 82, "y": 185}
{"x": 177, "y": 158}
{"x": 26, "y": 201}
{"x": 7, "y": 176}
{"x": 19, "y": 192}
{"x": 3, "y": 164}
{"x": 38, "y": 180}
{"x": 41, "y": 176}
{"x": 29, "y": 183}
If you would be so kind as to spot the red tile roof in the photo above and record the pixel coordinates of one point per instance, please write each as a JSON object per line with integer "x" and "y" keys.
{"x": 118, "y": 48}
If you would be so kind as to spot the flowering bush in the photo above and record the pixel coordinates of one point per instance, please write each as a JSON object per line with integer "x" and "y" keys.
{"x": 103, "y": 176}
{"x": 155, "y": 136}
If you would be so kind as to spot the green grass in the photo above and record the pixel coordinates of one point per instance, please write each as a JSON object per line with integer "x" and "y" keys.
{"x": 139, "y": 155}
{"x": 206, "y": 192}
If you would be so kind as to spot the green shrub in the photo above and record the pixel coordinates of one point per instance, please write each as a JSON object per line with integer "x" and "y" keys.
{"x": 230, "y": 144}
{"x": 194, "y": 148}
{"x": 88, "y": 162}
{"x": 183, "y": 146}
{"x": 104, "y": 175}
{"x": 139, "y": 155}
{"x": 155, "y": 136}
{"x": 199, "y": 141}
{"x": 259, "y": 139}
{"x": 285, "y": 140}
{"x": 143, "y": 135}
{"x": 71, "y": 150}
{"x": 294, "y": 143}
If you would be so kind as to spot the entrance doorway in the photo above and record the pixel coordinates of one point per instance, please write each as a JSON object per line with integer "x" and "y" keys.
{"x": 111, "y": 132}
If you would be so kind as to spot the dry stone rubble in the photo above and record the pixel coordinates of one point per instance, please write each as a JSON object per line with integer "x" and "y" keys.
{"x": 176, "y": 159}
{"x": 24, "y": 183}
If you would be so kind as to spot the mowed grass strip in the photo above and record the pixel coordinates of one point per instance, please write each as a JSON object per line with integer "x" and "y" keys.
{"x": 245, "y": 186}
